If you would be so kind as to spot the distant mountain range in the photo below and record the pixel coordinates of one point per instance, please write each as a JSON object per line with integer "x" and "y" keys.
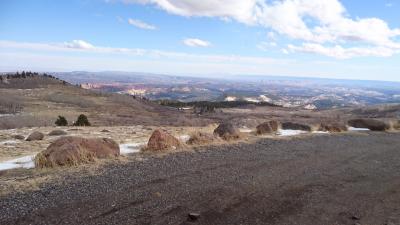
{"x": 302, "y": 92}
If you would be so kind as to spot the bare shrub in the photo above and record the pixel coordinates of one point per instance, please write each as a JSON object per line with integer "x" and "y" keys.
{"x": 10, "y": 104}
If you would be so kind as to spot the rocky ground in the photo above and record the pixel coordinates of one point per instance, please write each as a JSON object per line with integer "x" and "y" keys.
{"x": 349, "y": 178}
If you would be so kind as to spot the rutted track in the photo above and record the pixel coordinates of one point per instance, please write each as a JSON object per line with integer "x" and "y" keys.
{"x": 328, "y": 179}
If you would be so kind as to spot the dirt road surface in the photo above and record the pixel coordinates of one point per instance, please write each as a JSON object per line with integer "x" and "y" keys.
{"x": 327, "y": 179}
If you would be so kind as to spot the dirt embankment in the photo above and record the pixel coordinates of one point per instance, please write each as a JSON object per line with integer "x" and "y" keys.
{"x": 328, "y": 179}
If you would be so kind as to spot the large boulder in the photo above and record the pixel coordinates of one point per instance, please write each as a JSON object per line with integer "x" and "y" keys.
{"x": 200, "y": 138}
{"x": 35, "y": 136}
{"x": 269, "y": 127}
{"x": 227, "y": 131}
{"x": 161, "y": 140}
{"x": 333, "y": 127}
{"x": 76, "y": 150}
{"x": 295, "y": 126}
{"x": 57, "y": 133}
{"x": 372, "y": 124}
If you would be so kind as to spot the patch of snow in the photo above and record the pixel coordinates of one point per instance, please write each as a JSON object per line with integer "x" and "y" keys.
{"x": 252, "y": 100}
{"x": 184, "y": 138}
{"x": 230, "y": 98}
{"x": 8, "y": 142}
{"x": 290, "y": 132}
{"x": 4, "y": 115}
{"x": 310, "y": 106}
{"x": 22, "y": 162}
{"x": 245, "y": 130}
{"x": 129, "y": 148}
{"x": 358, "y": 129}
{"x": 264, "y": 98}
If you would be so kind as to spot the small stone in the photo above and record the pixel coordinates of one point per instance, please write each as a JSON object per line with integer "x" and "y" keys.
{"x": 193, "y": 216}
{"x": 355, "y": 218}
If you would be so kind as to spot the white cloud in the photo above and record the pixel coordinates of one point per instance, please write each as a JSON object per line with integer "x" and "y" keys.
{"x": 195, "y": 42}
{"x": 323, "y": 22}
{"x": 339, "y": 52}
{"x": 389, "y": 4}
{"x": 119, "y": 19}
{"x": 265, "y": 46}
{"x": 140, "y": 24}
{"x": 78, "y": 44}
{"x": 240, "y": 10}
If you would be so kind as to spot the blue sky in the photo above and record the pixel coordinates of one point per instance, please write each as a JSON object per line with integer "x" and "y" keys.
{"x": 351, "y": 39}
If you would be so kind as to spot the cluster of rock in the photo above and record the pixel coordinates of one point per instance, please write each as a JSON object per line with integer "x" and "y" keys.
{"x": 38, "y": 136}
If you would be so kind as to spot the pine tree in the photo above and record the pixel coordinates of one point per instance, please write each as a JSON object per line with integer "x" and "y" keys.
{"x": 61, "y": 121}
{"x": 82, "y": 121}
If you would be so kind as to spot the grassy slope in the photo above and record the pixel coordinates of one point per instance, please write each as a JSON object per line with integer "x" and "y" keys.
{"x": 42, "y": 99}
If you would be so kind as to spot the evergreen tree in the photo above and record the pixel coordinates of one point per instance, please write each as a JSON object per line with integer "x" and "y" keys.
{"x": 61, "y": 121}
{"x": 82, "y": 121}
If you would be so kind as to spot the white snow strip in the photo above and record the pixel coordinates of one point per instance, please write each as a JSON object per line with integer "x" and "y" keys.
{"x": 358, "y": 129}
{"x": 320, "y": 132}
{"x": 4, "y": 115}
{"x": 129, "y": 148}
{"x": 290, "y": 132}
{"x": 22, "y": 162}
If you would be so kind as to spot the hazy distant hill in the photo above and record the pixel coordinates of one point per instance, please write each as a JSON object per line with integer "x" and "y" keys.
{"x": 309, "y": 93}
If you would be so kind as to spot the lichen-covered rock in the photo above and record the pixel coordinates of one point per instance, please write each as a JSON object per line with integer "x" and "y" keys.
{"x": 372, "y": 124}
{"x": 35, "y": 136}
{"x": 227, "y": 131}
{"x": 76, "y": 150}
{"x": 333, "y": 127}
{"x": 162, "y": 140}
{"x": 269, "y": 127}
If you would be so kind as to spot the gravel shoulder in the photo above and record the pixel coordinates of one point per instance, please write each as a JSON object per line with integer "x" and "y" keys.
{"x": 322, "y": 179}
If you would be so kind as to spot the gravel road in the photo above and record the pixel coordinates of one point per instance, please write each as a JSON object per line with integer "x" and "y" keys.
{"x": 326, "y": 179}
